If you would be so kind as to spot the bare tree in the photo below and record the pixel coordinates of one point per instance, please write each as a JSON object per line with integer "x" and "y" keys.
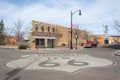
{"x": 117, "y": 25}
{"x": 9, "y": 34}
{"x": 17, "y": 30}
{"x": 76, "y": 33}
{"x": 81, "y": 35}
{"x": 86, "y": 35}
{"x": 8, "y": 31}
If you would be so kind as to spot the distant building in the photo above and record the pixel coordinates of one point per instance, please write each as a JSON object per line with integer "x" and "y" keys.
{"x": 44, "y": 35}
{"x": 98, "y": 38}
{"x": 101, "y": 39}
{"x": 10, "y": 40}
{"x": 114, "y": 39}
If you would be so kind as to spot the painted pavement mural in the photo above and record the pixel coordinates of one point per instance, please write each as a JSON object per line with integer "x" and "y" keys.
{"x": 58, "y": 62}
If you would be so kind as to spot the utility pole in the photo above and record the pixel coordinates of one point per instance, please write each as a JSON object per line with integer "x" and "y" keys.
{"x": 105, "y": 34}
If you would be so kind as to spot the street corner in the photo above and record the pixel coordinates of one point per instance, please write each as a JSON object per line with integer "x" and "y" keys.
{"x": 71, "y": 63}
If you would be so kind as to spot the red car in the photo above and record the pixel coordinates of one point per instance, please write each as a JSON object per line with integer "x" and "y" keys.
{"x": 90, "y": 44}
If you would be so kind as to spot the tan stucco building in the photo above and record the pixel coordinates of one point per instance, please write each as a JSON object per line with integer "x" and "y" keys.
{"x": 10, "y": 40}
{"x": 99, "y": 38}
{"x": 114, "y": 39}
{"x": 50, "y": 35}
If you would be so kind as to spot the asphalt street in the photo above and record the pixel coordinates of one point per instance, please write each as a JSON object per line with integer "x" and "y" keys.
{"x": 111, "y": 72}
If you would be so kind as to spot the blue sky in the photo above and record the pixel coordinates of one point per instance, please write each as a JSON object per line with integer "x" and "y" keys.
{"x": 95, "y": 13}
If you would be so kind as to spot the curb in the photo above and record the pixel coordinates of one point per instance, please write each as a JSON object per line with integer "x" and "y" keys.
{"x": 117, "y": 53}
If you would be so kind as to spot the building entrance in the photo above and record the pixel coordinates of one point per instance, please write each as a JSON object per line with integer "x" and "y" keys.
{"x": 51, "y": 43}
{"x": 40, "y": 43}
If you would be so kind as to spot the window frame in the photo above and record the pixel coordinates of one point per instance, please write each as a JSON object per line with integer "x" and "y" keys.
{"x": 48, "y": 28}
{"x": 36, "y": 27}
{"x": 42, "y": 28}
{"x": 53, "y": 29}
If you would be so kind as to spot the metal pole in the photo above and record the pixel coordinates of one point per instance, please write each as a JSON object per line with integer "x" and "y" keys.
{"x": 71, "y": 47}
{"x": 76, "y": 43}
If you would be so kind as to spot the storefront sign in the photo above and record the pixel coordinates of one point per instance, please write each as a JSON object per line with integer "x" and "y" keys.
{"x": 46, "y": 34}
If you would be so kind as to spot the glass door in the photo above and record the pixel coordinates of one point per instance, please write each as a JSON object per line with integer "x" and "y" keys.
{"x": 51, "y": 43}
{"x": 42, "y": 43}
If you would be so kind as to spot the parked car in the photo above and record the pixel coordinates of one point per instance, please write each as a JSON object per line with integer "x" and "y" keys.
{"x": 90, "y": 44}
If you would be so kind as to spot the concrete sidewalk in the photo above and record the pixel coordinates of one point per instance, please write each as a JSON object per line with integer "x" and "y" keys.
{"x": 9, "y": 47}
{"x": 44, "y": 50}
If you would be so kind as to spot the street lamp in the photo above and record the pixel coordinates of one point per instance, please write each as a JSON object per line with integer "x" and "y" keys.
{"x": 71, "y": 47}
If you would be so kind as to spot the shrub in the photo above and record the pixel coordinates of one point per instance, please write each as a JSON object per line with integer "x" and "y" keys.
{"x": 22, "y": 46}
{"x": 63, "y": 44}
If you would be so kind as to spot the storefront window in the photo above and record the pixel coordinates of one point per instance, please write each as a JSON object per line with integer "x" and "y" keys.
{"x": 51, "y": 43}
{"x": 40, "y": 42}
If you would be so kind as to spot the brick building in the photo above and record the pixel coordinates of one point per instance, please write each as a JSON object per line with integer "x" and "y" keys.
{"x": 45, "y": 35}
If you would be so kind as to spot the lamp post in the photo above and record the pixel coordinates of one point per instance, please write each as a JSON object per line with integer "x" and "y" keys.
{"x": 71, "y": 47}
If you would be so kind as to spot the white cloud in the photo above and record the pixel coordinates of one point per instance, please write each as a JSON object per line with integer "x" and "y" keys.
{"x": 94, "y": 13}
